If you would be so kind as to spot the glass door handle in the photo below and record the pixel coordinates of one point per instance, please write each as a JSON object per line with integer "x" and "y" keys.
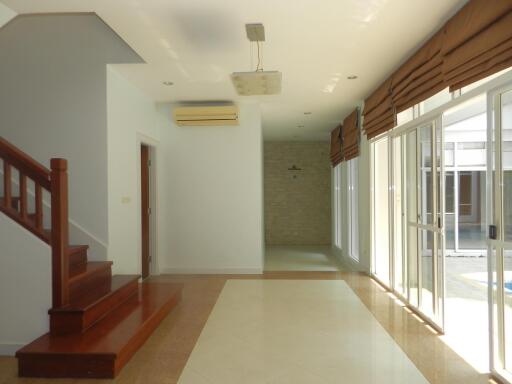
{"x": 493, "y": 232}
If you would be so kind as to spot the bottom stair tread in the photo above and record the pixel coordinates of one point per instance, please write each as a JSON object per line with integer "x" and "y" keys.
{"x": 113, "y": 340}
{"x": 93, "y": 297}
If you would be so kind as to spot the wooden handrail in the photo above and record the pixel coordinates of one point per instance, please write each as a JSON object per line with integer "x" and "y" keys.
{"x": 16, "y": 207}
{"x": 25, "y": 164}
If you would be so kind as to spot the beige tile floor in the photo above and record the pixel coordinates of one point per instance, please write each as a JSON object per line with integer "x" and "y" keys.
{"x": 300, "y": 258}
{"x": 162, "y": 359}
{"x": 316, "y": 331}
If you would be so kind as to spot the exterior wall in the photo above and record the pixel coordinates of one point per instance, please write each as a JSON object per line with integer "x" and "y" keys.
{"x": 297, "y": 203}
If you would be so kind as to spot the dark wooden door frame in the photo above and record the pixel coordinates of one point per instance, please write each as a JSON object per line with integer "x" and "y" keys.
{"x": 145, "y": 210}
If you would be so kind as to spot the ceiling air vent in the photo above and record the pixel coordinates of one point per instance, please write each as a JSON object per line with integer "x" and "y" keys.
{"x": 206, "y": 115}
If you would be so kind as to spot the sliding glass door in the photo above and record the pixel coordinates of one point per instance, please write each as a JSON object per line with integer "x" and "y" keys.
{"x": 423, "y": 205}
{"x": 500, "y": 230}
{"x": 407, "y": 234}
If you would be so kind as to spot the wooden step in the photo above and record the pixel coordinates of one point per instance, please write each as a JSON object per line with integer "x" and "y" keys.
{"x": 84, "y": 278}
{"x": 93, "y": 306}
{"x": 77, "y": 255}
{"x": 102, "y": 350}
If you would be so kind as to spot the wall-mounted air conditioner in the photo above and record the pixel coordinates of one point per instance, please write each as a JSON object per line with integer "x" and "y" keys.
{"x": 206, "y": 115}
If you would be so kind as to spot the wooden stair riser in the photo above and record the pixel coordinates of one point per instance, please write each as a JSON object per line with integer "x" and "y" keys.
{"x": 72, "y": 366}
{"x": 63, "y": 321}
{"x": 77, "y": 256}
{"x": 99, "y": 278}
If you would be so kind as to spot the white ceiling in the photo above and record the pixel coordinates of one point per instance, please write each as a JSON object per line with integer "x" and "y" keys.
{"x": 316, "y": 44}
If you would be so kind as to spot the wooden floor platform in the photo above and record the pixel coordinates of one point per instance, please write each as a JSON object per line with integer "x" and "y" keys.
{"x": 102, "y": 350}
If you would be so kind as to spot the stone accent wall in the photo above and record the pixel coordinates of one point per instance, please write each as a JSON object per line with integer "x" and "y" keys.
{"x": 297, "y": 203}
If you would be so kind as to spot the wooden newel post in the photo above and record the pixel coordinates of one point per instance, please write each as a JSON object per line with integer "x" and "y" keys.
{"x": 60, "y": 232}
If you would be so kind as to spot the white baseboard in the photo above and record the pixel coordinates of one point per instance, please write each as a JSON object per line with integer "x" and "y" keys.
{"x": 211, "y": 271}
{"x": 9, "y": 349}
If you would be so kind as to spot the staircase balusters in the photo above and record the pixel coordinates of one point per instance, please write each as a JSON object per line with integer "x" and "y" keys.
{"x": 39, "y": 207}
{"x": 23, "y": 196}
{"x": 7, "y": 185}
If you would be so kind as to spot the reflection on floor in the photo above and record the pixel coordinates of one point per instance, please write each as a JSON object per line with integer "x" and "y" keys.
{"x": 300, "y": 258}
{"x": 295, "y": 331}
{"x": 165, "y": 354}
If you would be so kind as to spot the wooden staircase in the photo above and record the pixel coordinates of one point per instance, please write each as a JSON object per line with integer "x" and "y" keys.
{"x": 97, "y": 320}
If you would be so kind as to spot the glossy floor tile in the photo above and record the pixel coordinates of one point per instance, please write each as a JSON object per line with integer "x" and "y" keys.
{"x": 300, "y": 258}
{"x": 316, "y": 331}
{"x": 163, "y": 357}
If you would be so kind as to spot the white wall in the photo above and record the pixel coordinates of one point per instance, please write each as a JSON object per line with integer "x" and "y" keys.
{"x": 25, "y": 286}
{"x": 6, "y": 14}
{"x": 132, "y": 118}
{"x": 213, "y": 205}
{"x": 53, "y": 104}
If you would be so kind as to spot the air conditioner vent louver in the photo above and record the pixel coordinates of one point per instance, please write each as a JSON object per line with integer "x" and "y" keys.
{"x": 206, "y": 115}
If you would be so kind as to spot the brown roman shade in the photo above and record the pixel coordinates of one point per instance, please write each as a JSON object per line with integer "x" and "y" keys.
{"x": 350, "y": 136}
{"x": 473, "y": 44}
{"x": 379, "y": 115}
{"x": 477, "y": 42}
{"x": 419, "y": 77}
{"x": 336, "y": 156}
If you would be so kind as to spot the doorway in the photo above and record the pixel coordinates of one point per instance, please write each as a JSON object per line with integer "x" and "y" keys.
{"x": 145, "y": 194}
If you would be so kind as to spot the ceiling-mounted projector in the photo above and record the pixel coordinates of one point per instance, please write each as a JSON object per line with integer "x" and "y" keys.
{"x": 258, "y": 82}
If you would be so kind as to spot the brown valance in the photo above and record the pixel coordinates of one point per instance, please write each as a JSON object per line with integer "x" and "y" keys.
{"x": 478, "y": 42}
{"x": 350, "y": 136}
{"x": 379, "y": 115}
{"x": 473, "y": 44}
{"x": 336, "y": 155}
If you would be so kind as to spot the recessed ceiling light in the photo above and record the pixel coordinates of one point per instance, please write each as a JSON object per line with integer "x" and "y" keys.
{"x": 307, "y": 113}
{"x": 352, "y": 77}
{"x": 168, "y": 83}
